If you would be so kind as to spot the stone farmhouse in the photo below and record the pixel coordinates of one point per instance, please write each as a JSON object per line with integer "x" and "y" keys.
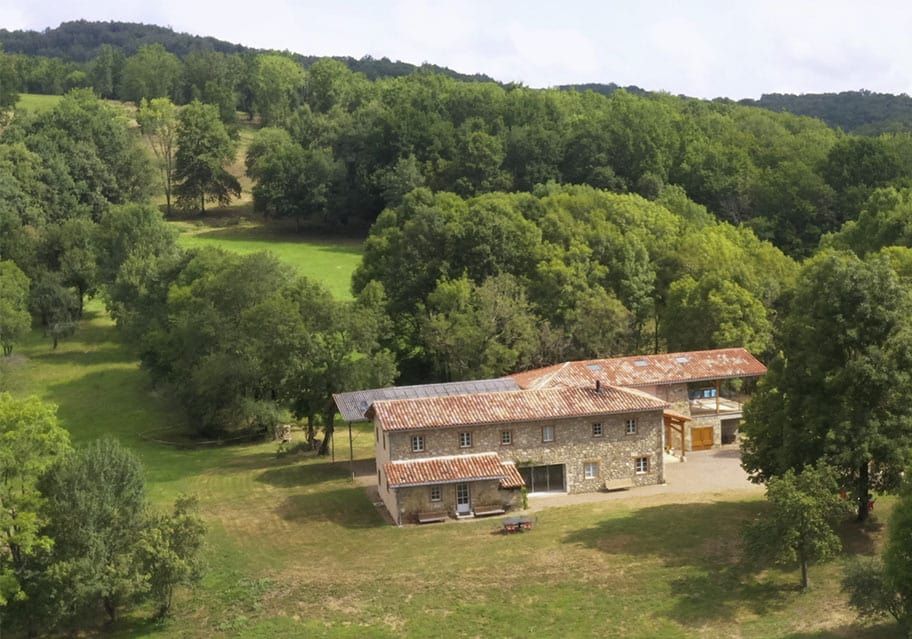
{"x": 468, "y": 448}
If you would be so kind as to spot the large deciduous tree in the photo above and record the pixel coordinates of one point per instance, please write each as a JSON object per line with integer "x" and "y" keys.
{"x": 31, "y": 441}
{"x": 157, "y": 120}
{"x": 14, "y": 295}
{"x": 840, "y": 389}
{"x": 204, "y": 147}
{"x": 96, "y": 506}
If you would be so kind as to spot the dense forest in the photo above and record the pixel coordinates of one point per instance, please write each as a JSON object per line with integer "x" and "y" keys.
{"x": 862, "y": 112}
{"x": 506, "y": 227}
{"x": 72, "y": 44}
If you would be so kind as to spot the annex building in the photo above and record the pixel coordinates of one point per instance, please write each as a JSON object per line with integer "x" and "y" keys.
{"x": 467, "y": 448}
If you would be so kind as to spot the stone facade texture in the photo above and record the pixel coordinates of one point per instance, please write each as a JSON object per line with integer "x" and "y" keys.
{"x": 615, "y": 451}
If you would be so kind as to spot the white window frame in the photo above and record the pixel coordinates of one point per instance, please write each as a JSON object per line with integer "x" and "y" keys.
{"x": 546, "y": 431}
{"x": 641, "y": 465}
{"x": 598, "y": 429}
{"x": 506, "y": 438}
{"x": 630, "y": 426}
{"x": 437, "y": 493}
{"x": 418, "y": 444}
{"x": 591, "y": 470}
{"x": 465, "y": 439}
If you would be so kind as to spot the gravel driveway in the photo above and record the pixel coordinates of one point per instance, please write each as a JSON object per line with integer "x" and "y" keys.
{"x": 706, "y": 473}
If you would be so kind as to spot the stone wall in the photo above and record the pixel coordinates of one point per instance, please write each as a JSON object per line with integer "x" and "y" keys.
{"x": 417, "y": 499}
{"x": 573, "y": 445}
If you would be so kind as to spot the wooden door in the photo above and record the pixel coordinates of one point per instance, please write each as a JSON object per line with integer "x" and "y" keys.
{"x": 701, "y": 438}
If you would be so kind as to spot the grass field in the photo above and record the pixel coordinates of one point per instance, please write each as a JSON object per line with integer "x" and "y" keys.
{"x": 37, "y": 103}
{"x": 296, "y": 550}
{"x": 331, "y": 261}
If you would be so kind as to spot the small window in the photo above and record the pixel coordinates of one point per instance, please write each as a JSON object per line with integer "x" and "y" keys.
{"x": 547, "y": 433}
{"x": 506, "y": 437}
{"x": 378, "y": 477}
{"x": 598, "y": 430}
{"x": 630, "y": 426}
{"x": 417, "y": 443}
{"x": 436, "y": 493}
{"x": 591, "y": 470}
{"x": 384, "y": 441}
{"x": 465, "y": 440}
{"x": 642, "y": 465}
{"x": 377, "y": 433}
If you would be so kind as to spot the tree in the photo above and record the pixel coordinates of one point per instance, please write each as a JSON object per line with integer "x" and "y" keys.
{"x": 169, "y": 549}
{"x": 881, "y": 586}
{"x": 14, "y": 294}
{"x": 104, "y": 71}
{"x": 9, "y": 84}
{"x": 277, "y": 88}
{"x": 157, "y": 119}
{"x": 152, "y": 72}
{"x": 55, "y": 306}
{"x": 799, "y": 525}
{"x": 840, "y": 389}
{"x": 203, "y": 149}
{"x": 95, "y": 505}
{"x": 478, "y": 331}
{"x": 31, "y": 441}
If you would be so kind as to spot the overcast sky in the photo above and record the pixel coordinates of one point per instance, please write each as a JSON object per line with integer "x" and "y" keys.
{"x": 700, "y": 48}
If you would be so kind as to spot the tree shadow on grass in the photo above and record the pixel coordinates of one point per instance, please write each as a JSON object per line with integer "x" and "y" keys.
{"x": 886, "y": 630}
{"x": 703, "y": 541}
{"x": 94, "y": 357}
{"x": 325, "y": 494}
{"x": 348, "y": 507}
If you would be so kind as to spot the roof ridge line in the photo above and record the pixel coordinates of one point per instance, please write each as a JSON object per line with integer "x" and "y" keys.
{"x": 544, "y": 380}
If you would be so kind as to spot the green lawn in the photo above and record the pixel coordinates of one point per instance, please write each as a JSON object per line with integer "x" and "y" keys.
{"x": 296, "y": 550}
{"x": 36, "y": 103}
{"x": 331, "y": 261}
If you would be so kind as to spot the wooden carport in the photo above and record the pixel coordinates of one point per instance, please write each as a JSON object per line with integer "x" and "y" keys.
{"x": 674, "y": 423}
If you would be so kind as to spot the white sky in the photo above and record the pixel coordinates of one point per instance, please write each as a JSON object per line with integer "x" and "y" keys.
{"x": 704, "y": 48}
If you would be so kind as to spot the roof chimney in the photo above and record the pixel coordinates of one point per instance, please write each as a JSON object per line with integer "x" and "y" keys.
{"x": 598, "y": 386}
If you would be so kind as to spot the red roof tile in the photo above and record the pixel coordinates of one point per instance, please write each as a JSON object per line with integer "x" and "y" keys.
{"x": 646, "y": 370}
{"x": 509, "y": 407}
{"x": 454, "y": 468}
{"x": 512, "y": 478}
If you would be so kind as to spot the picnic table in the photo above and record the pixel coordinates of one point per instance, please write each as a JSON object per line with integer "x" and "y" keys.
{"x": 516, "y": 524}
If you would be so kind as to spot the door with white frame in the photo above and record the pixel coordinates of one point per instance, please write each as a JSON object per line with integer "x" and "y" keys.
{"x": 463, "y": 499}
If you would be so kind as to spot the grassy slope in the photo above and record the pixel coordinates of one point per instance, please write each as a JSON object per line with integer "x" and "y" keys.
{"x": 296, "y": 550}
{"x": 329, "y": 261}
{"x": 36, "y": 103}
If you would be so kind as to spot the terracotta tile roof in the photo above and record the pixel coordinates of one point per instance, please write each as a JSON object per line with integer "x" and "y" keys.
{"x": 354, "y": 404}
{"x": 512, "y": 478}
{"x": 646, "y": 370}
{"x": 451, "y": 469}
{"x": 509, "y": 407}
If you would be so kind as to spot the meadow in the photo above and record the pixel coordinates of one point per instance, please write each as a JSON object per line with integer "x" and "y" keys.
{"x": 296, "y": 549}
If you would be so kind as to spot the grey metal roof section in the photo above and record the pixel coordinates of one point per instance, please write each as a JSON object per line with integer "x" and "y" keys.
{"x": 353, "y": 405}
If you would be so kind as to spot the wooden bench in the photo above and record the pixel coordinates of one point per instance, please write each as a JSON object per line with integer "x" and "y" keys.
{"x": 432, "y": 516}
{"x": 619, "y": 484}
{"x": 489, "y": 509}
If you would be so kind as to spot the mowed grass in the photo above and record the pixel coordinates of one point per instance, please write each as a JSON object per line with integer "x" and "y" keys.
{"x": 295, "y": 549}
{"x": 37, "y": 103}
{"x": 330, "y": 261}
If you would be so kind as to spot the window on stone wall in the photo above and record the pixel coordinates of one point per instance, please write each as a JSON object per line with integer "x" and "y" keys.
{"x": 591, "y": 470}
{"x": 597, "y": 429}
{"x": 436, "y": 493}
{"x": 630, "y": 426}
{"x": 547, "y": 433}
{"x": 641, "y": 465}
{"x": 417, "y": 443}
{"x": 465, "y": 440}
{"x": 506, "y": 437}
